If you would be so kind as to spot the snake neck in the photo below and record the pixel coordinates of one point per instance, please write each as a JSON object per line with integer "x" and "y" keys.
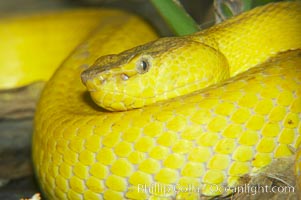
{"x": 253, "y": 37}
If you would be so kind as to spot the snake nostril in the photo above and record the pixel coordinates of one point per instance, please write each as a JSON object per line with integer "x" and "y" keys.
{"x": 101, "y": 80}
{"x": 124, "y": 77}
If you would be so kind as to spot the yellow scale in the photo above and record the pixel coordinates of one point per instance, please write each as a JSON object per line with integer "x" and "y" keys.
{"x": 210, "y": 137}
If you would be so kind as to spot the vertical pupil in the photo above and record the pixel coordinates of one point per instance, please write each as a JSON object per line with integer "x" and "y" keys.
{"x": 144, "y": 65}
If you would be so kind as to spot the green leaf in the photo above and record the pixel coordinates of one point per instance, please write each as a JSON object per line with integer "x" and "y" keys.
{"x": 176, "y": 17}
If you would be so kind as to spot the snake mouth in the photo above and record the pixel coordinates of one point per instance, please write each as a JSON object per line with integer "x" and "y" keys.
{"x": 105, "y": 97}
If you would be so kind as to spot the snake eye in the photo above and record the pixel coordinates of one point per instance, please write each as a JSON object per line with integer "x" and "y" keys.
{"x": 143, "y": 66}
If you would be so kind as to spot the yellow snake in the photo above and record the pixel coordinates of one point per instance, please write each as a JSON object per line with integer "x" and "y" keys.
{"x": 196, "y": 111}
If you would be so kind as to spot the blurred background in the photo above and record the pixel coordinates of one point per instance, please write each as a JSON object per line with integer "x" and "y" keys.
{"x": 200, "y": 10}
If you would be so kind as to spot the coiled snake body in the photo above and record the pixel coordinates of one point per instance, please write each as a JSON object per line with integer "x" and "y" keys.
{"x": 200, "y": 110}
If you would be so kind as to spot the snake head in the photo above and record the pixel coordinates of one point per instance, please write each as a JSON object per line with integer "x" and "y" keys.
{"x": 156, "y": 71}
